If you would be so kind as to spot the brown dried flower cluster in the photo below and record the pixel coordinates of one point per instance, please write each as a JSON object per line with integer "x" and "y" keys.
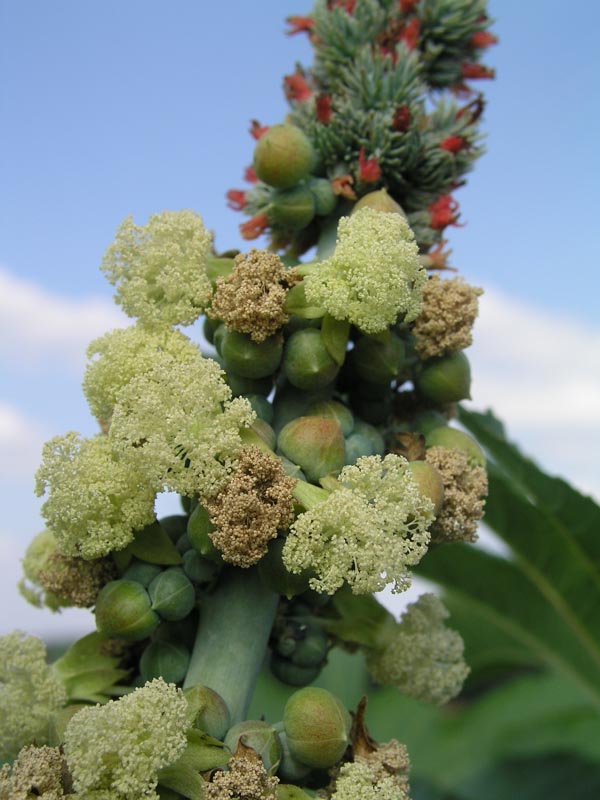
{"x": 446, "y": 321}
{"x": 251, "y": 299}
{"x": 246, "y": 779}
{"x": 37, "y": 772}
{"x": 76, "y": 580}
{"x": 254, "y": 504}
{"x": 465, "y": 488}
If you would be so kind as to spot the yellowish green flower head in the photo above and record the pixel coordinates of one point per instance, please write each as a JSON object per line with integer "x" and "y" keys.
{"x": 121, "y": 354}
{"x": 357, "y": 780}
{"x": 37, "y": 772}
{"x": 29, "y": 693}
{"x": 159, "y": 269}
{"x": 117, "y": 749}
{"x": 422, "y": 657}
{"x": 38, "y": 553}
{"x": 95, "y": 500}
{"x": 374, "y": 275}
{"x": 368, "y": 532}
{"x": 178, "y": 424}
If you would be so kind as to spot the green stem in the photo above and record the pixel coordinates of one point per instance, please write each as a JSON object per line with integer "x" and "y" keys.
{"x": 231, "y": 642}
{"x": 309, "y": 495}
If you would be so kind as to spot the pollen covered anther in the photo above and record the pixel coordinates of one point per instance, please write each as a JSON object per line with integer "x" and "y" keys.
{"x": 446, "y": 321}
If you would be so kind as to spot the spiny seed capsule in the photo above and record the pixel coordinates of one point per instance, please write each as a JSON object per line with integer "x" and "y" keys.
{"x": 378, "y": 201}
{"x": 317, "y": 726}
{"x": 445, "y": 380}
{"x": 307, "y": 362}
{"x": 292, "y": 674}
{"x": 332, "y": 409}
{"x": 453, "y": 439}
{"x": 323, "y": 195}
{"x": 283, "y": 156}
{"x": 246, "y": 386}
{"x": 248, "y": 358}
{"x": 123, "y": 611}
{"x": 316, "y": 444}
{"x": 172, "y": 594}
{"x": 258, "y": 735}
{"x": 141, "y": 572}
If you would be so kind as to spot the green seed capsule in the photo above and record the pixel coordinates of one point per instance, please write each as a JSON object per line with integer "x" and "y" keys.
{"x": 428, "y": 421}
{"x": 317, "y": 727}
{"x": 164, "y": 660}
{"x": 248, "y": 358}
{"x": 376, "y": 361}
{"x": 198, "y": 569}
{"x": 275, "y": 576}
{"x": 292, "y": 674}
{"x": 258, "y": 735}
{"x": 332, "y": 409}
{"x": 172, "y": 594}
{"x": 290, "y": 403}
{"x": 291, "y": 209}
{"x": 445, "y": 380}
{"x": 379, "y": 200}
{"x": 289, "y": 768}
{"x": 209, "y": 326}
{"x": 141, "y": 572}
{"x": 123, "y": 611}
{"x": 323, "y": 195}
{"x": 283, "y": 156}
{"x": 246, "y": 386}
{"x": 183, "y": 544}
{"x": 453, "y": 439}
{"x": 312, "y": 650}
{"x": 209, "y": 711}
{"x": 175, "y": 525}
{"x": 316, "y": 444}
{"x": 262, "y": 407}
{"x": 307, "y": 362}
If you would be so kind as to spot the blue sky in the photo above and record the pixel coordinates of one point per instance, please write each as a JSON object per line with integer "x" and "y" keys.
{"x": 113, "y": 108}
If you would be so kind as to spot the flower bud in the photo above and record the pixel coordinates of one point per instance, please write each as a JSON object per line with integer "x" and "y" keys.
{"x": 378, "y": 361}
{"x": 430, "y": 483}
{"x": 182, "y": 631}
{"x": 332, "y": 409}
{"x": 290, "y": 769}
{"x": 453, "y": 439}
{"x": 312, "y": 650}
{"x": 290, "y": 403}
{"x": 291, "y": 209}
{"x": 258, "y": 735}
{"x": 174, "y": 524}
{"x": 246, "y": 386}
{"x": 307, "y": 362}
{"x": 248, "y": 358}
{"x": 372, "y": 434}
{"x": 292, "y": 674}
{"x": 276, "y": 577}
{"x": 123, "y": 610}
{"x": 316, "y": 444}
{"x": 172, "y": 594}
{"x": 323, "y": 195}
{"x": 209, "y": 711}
{"x": 164, "y": 660}
{"x": 427, "y": 421}
{"x": 357, "y": 445}
{"x": 445, "y": 380}
{"x": 283, "y": 156}
{"x": 198, "y": 569}
{"x": 317, "y": 727}
{"x": 374, "y": 410}
{"x": 378, "y": 201}
{"x": 141, "y": 572}
{"x": 209, "y": 326}
{"x": 183, "y": 544}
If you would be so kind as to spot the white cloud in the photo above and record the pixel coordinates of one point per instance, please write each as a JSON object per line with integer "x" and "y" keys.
{"x": 37, "y": 325}
{"x": 540, "y": 373}
{"x": 21, "y": 441}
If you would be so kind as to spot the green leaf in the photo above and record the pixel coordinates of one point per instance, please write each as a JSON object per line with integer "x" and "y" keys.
{"x": 296, "y": 303}
{"x": 218, "y": 268}
{"x": 506, "y": 597}
{"x": 334, "y": 333}
{"x": 154, "y": 545}
{"x": 87, "y": 673}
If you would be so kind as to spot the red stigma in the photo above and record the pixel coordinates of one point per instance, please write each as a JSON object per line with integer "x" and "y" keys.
{"x": 256, "y": 129}
{"x": 454, "y": 144}
{"x": 236, "y": 199}
{"x": 443, "y": 212}
{"x": 296, "y": 88}
{"x": 369, "y": 170}
{"x": 401, "y": 120}
{"x": 254, "y": 227}
{"x": 323, "y": 108}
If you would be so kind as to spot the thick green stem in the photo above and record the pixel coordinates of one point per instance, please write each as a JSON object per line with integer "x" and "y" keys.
{"x": 233, "y": 632}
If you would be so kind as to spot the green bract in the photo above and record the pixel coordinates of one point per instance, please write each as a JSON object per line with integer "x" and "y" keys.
{"x": 120, "y": 747}
{"x": 368, "y": 532}
{"x": 374, "y": 275}
{"x": 159, "y": 269}
{"x": 29, "y": 693}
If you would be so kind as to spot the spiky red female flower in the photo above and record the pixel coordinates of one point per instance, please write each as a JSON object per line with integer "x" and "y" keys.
{"x": 323, "y": 108}
{"x": 474, "y": 109}
{"x": 236, "y": 199}
{"x": 472, "y": 71}
{"x": 296, "y": 87}
{"x": 256, "y": 129}
{"x": 443, "y": 212}
{"x": 401, "y": 119}
{"x": 410, "y": 33}
{"x": 407, "y": 6}
{"x": 454, "y": 144}
{"x": 254, "y": 227}
{"x": 250, "y": 175}
{"x": 342, "y": 187}
{"x": 300, "y": 25}
{"x": 369, "y": 170}
{"x": 482, "y": 39}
